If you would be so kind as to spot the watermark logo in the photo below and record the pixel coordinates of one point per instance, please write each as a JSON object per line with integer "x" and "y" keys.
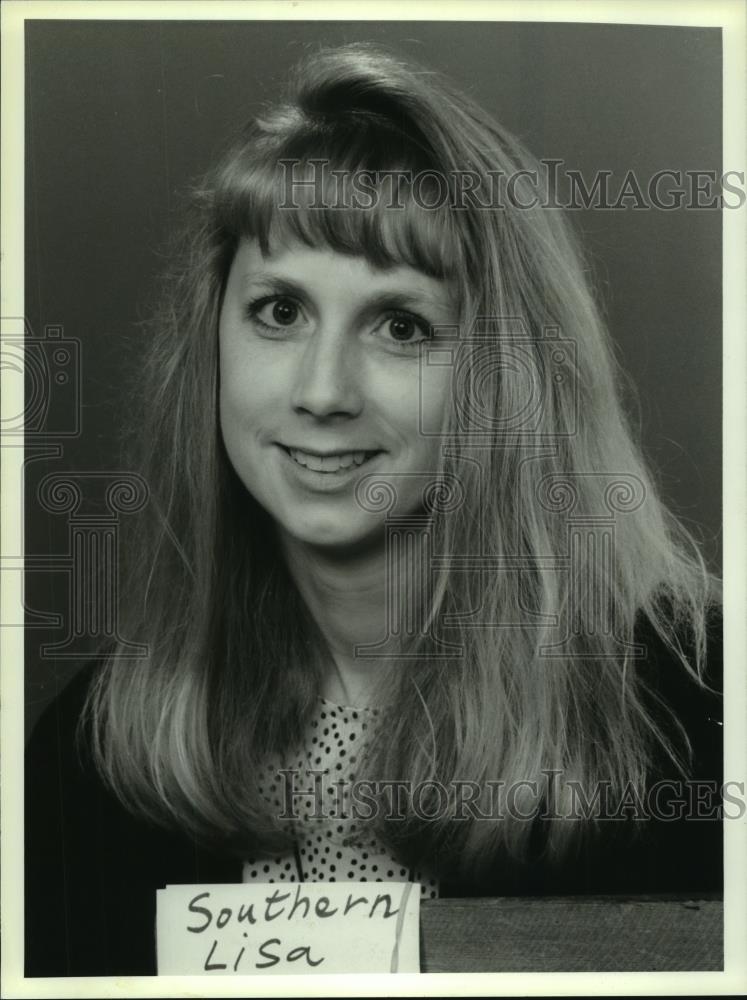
{"x": 315, "y": 184}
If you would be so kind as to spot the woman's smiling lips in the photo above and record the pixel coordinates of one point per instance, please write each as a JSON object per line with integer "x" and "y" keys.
{"x": 329, "y": 464}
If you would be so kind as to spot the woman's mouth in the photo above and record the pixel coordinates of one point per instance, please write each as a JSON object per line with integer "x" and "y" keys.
{"x": 330, "y": 463}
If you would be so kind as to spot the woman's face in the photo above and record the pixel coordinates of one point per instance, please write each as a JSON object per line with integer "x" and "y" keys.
{"x": 321, "y": 384}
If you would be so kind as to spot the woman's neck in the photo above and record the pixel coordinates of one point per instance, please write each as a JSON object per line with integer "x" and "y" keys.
{"x": 347, "y": 596}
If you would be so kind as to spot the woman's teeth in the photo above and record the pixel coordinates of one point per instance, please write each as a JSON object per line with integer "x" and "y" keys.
{"x": 329, "y": 463}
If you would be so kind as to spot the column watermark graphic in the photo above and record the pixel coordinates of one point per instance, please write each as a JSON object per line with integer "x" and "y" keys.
{"x": 505, "y": 387}
{"x": 49, "y": 371}
{"x": 92, "y": 558}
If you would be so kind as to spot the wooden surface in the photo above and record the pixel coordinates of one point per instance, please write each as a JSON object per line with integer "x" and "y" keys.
{"x": 571, "y": 935}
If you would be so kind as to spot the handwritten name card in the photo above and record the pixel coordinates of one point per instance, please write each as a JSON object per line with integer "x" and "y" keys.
{"x": 311, "y": 927}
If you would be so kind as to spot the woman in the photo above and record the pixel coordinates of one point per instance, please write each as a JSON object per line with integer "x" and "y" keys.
{"x": 414, "y": 608}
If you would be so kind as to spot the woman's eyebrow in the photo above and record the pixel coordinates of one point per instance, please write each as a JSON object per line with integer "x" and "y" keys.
{"x": 401, "y": 299}
{"x": 395, "y": 298}
{"x": 284, "y": 286}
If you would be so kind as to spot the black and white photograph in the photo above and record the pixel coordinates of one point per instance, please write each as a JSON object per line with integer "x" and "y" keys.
{"x": 373, "y": 540}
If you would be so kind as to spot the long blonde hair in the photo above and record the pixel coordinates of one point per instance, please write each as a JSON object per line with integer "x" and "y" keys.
{"x": 544, "y": 677}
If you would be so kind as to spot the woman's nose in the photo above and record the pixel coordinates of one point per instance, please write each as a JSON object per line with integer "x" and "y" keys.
{"x": 327, "y": 379}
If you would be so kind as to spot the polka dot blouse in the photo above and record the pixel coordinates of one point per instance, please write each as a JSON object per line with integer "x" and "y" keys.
{"x": 331, "y": 843}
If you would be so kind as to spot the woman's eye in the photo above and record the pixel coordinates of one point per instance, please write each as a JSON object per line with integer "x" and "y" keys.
{"x": 275, "y": 312}
{"x": 406, "y": 329}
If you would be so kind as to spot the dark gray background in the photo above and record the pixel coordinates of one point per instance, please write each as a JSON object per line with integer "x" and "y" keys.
{"x": 120, "y": 116}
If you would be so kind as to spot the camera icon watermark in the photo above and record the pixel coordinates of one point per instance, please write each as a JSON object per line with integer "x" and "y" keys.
{"x": 503, "y": 382}
{"x": 49, "y": 366}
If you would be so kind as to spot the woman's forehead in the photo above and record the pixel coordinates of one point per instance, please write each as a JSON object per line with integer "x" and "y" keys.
{"x": 251, "y": 204}
{"x": 296, "y": 263}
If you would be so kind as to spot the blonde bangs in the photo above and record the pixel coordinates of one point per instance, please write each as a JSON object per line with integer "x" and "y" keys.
{"x": 356, "y": 188}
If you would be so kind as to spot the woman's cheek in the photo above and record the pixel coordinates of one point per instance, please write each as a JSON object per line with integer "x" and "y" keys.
{"x": 433, "y": 394}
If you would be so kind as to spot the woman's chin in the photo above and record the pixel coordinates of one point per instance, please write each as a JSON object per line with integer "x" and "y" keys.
{"x": 335, "y": 537}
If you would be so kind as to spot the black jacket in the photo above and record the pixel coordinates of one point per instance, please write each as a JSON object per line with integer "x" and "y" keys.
{"x": 92, "y": 868}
